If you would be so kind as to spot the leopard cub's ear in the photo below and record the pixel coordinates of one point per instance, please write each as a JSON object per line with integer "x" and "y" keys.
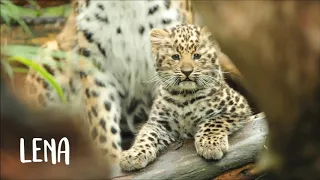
{"x": 205, "y": 32}
{"x": 158, "y": 37}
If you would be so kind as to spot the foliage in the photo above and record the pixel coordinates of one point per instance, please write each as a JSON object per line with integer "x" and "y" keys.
{"x": 25, "y": 54}
{"x": 11, "y": 12}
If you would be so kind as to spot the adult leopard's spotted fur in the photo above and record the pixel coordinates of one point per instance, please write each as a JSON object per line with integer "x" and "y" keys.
{"x": 112, "y": 85}
{"x": 193, "y": 99}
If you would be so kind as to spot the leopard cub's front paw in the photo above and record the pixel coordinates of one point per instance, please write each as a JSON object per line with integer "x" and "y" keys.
{"x": 212, "y": 148}
{"x": 134, "y": 159}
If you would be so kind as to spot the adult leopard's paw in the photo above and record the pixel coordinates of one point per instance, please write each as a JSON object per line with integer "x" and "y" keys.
{"x": 134, "y": 159}
{"x": 212, "y": 147}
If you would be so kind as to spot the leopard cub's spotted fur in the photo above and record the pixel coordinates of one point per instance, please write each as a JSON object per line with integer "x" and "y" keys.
{"x": 193, "y": 99}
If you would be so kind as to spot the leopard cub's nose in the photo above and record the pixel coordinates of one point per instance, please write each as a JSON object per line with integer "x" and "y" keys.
{"x": 187, "y": 72}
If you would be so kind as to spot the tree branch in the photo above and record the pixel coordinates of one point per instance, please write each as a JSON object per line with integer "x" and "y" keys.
{"x": 185, "y": 163}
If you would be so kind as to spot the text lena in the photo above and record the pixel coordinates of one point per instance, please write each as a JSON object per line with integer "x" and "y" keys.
{"x": 47, "y": 146}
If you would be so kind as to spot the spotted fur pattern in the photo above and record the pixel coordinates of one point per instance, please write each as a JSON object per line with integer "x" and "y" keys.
{"x": 193, "y": 101}
{"x": 110, "y": 84}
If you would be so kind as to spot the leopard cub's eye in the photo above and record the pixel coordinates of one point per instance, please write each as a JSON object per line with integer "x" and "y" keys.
{"x": 175, "y": 57}
{"x": 196, "y": 56}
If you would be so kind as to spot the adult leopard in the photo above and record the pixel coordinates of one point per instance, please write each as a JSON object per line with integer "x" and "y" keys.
{"x": 113, "y": 86}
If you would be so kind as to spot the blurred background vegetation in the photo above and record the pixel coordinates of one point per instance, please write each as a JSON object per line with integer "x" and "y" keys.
{"x": 32, "y": 22}
{"x": 25, "y": 26}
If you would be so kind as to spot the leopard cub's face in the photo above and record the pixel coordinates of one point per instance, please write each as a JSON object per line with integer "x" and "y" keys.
{"x": 185, "y": 57}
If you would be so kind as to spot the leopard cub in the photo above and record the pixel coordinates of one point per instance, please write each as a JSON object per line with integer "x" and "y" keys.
{"x": 193, "y": 100}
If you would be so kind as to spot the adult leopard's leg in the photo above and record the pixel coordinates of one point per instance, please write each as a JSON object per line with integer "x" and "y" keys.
{"x": 39, "y": 92}
{"x": 102, "y": 97}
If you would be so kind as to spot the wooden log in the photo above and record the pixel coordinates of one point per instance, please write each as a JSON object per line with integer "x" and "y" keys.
{"x": 42, "y": 3}
{"x": 246, "y": 172}
{"x": 185, "y": 163}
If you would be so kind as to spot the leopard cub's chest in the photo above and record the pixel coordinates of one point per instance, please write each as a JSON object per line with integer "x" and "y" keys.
{"x": 190, "y": 115}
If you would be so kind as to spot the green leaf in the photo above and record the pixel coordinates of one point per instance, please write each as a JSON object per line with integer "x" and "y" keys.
{"x": 28, "y": 52}
{"x": 20, "y": 70}
{"x": 43, "y": 73}
{"x": 11, "y": 11}
{"x": 7, "y": 68}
